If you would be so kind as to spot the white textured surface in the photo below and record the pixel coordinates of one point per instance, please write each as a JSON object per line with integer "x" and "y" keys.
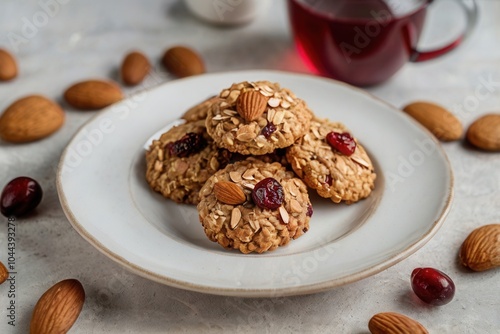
{"x": 88, "y": 39}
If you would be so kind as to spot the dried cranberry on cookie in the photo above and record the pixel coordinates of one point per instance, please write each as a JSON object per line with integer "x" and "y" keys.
{"x": 255, "y": 118}
{"x": 179, "y": 163}
{"x": 330, "y": 160}
{"x": 253, "y": 206}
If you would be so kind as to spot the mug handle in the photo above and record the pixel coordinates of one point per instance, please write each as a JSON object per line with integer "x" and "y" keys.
{"x": 472, "y": 16}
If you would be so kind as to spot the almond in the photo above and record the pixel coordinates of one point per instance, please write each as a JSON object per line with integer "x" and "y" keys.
{"x": 30, "y": 118}
{"x": 4, "y": 273}
{"x": 183, "y": 62}
{"x": 394, "y": 323}
{"x": 484, "y": 133}
{"x": 481, "y": 249}
{"x": 229, "y": 193}
{"x": 93, "y": 94}
{"x": 134, "y": 68}
{"x": 8, "y": 66}
{"x": 251, "y": 105}
{"x": 442, "y": 123}
{"x": 58, "y": 308}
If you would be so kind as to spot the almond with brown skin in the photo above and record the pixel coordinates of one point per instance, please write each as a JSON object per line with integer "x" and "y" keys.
{"x": 58, "y": 308}
{"x": 4, "y": 273}
{"x": 30, "y": 118}
{"x": 183, "y": 62}
{"x": 93, "y": 94}
{"x": 229, "y": 193}
{"x": 394, "y": 323}
{"x": 251, "y": 105}
{"x": 481, "y": 249}
{"x": 484, "y": 133}
{"x": 134, "y": 68}
{"x": 442, "y": 123}
{"x": 8, "y": 66}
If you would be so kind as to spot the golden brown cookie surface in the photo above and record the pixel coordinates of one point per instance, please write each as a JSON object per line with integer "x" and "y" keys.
{"x": 179, "y": 163}
{"x": 246, "y": 226}
{"x": 257, "y": 118}
{"x": 332, "y": 174}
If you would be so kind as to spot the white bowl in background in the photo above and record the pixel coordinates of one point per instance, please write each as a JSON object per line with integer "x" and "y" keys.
{"x": 227, "y": 12}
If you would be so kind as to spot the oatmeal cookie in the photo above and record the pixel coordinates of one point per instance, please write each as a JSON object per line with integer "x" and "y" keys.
{"x": 179, "y": 163}
{"x": 332, "y": 174}
{"x": 236, "y": 213}
{"x": 199, "y": 112}
{"x": 257, "y": 118}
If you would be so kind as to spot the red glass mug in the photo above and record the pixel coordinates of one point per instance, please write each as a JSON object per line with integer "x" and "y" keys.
{"x": 364, "y": 42}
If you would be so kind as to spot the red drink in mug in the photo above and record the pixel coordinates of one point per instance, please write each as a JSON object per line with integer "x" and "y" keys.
{"x": 364, "y": 42}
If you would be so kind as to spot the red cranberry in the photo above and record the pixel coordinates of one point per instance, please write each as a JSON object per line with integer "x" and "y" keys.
{"x": 432, "y": 286}
{"x": 310, "y": 211}
{"x": 20, "y": 196}
{"x": 189, "y": 144}
{"x": 342, "y": 142}
{"x": 268, "y": 194}
{"x": 268, "y": 130}
{"x": 328, "y": 180}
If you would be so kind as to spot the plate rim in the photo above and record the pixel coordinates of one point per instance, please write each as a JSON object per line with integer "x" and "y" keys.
{"x": 265, "y": 292}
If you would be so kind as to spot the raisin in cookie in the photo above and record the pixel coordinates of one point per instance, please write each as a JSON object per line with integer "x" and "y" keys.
{"x": 330, "y": 161}
{"x": 179, "y": 163}
{"x": 254, "y": 206}
{"x": 257, "y": 118}
{"x": 199, "y": 112}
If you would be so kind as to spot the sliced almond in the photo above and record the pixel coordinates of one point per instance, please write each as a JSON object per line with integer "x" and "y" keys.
{"x": 359, "y": 161}
{"x": 254, "y": 224}
{"x": 295, "y": 206}
{"x": 248, "y": 185}
{"x": 235, "y": 217}
{"x": 285, "y": 104}
{"x": 229, "y": 193}
{"x": 251, "y": 105}
{"x": 248, "y": 174}
{"x": 235, "y": 176}
{"x": 274, "y": 102}
{"x": 284, "y": 215}
{"x": 278, "y": 117}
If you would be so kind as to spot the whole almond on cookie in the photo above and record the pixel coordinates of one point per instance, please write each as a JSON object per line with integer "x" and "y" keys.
{"x": 4, "y": 273}
{"x": 134, "y": 68}
{"x": 93, "y": 94}
{"x": 183, "y": 62}
{"x": 8, "y": 66}
{"x": 251, "y": 105}
{"x": 481, "y": 249}
{"x": 229, "y": 193}
{"x": 484, "y": 133}
{"x": 394, "y": 323}
{"x": 442, "y": 123}
{"x": 30, "y": 118}
{"x": 58, "y": 308}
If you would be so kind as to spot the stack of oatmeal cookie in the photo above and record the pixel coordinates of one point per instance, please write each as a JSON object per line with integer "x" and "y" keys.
{"x": 247, "y": 157}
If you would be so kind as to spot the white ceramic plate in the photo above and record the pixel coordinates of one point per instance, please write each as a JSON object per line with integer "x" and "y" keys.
{"x": 104, "y": 194}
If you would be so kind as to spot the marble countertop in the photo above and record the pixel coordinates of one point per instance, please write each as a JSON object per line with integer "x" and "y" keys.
{"x": 85, "y": 39}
